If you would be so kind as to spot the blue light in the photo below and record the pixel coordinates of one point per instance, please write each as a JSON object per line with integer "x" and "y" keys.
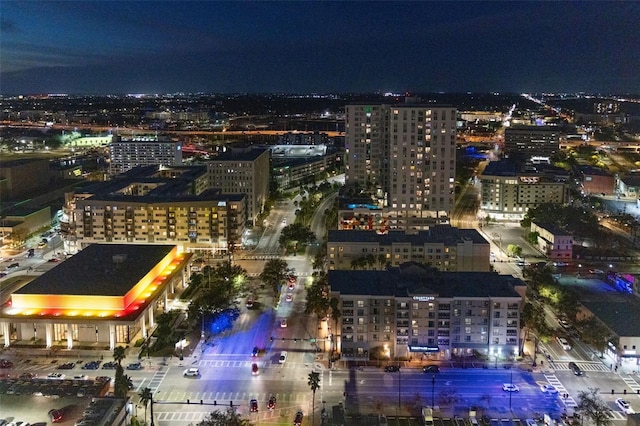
{"x": 223, "y": 321}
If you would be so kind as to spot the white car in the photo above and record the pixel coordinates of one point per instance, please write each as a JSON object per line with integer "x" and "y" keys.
{"x": 283, "y": 323}
{"x": 624, "y": 406}
{"x": 191, "y": 372}
{"x": 80, "y": 377}
{"x": 560, "y": 263}
{"x": 564, "y": 343}
{"x": 510, "y": 387}
{"x": 289, "y": 297}
{"x": 550, "y": 389}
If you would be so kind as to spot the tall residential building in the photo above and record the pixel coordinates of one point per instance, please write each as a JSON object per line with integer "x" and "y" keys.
{"x": 243, "y": 172}
{"x": 531, "y": 141}
{"x": 148, "y": 205}
{"x": 413, "y": 311}
{"x": 125, "y": 154}
{"x": 408, "y": 153}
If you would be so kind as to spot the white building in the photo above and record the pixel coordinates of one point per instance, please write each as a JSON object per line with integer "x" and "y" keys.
{"x": 125, "y": 154}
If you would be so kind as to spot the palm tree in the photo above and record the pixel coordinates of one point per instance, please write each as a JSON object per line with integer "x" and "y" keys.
{"x": 314, "y": 384}
{"x": 145, "y": 396}
{"x": 381, "y": 260}
{"x": 119, "y": 354}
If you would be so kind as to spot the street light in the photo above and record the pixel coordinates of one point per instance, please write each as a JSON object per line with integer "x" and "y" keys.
{"x": 433, "y": 391}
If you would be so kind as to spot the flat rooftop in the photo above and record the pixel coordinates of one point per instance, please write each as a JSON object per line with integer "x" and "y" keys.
{"x": 99, "y": 270}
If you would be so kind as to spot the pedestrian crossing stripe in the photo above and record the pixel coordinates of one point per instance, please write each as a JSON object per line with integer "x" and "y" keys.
{"x": 569, "y": 402}
{"x": 631, "y": 383}
{"x": 584, "y": 366}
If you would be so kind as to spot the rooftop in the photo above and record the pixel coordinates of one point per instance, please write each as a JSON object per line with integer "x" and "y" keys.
{"x": 99, "y": 270}
{"x": 621, "y": 313}
{"x": 415, "y": 279}
{"x": 446, "y": 234}
{"x": 240, "y": 155}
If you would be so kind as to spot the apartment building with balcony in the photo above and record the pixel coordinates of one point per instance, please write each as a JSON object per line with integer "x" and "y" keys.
{"x": 443, "y": 247}
{"x": 150, "y": 205}
{"x": 405, "y": 154}
{"x": 412, "y": 310}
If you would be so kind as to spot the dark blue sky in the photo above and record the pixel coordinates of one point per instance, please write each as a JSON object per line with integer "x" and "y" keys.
{"x": 98, "y": 47}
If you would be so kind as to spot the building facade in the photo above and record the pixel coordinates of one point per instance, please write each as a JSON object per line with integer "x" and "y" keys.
{"x": 412, "y": 311}
{"x": 553, "y": 242}
{"x": 507, "y": 194}
{"x": 407, "y": 152}
{"x": 243, "y": 172}
{"x": 443, "y": 247}
{"x": 125, "y": 154}
{"x": 130, "y": 286}
{"x": 155, "y": 206}
{"x": 529, "y": 141}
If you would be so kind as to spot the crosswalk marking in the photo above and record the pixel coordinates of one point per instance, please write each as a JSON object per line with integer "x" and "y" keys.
{"x": 631, "y": 383}
{"x": 225, "y": 397}
{"x": 584, "y": 366}
{"x": 553, "y": 380}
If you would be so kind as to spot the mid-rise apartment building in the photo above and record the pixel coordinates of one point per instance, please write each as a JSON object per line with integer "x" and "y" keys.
{"x": 442, "y": 246}
{"x": 148, "y": 205}
{"x": 407, "y": 153}
{"x": 127, "y": 153}
{"x": 412, "y": 311}
{"x": 243, "y": 171}
{"x": 529, "y": 141}
{"x": 508, "y": 192}
{"x": 554, "y": 242}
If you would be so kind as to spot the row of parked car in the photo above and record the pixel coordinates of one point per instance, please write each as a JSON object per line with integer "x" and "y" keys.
{"x": 54, "y": 387}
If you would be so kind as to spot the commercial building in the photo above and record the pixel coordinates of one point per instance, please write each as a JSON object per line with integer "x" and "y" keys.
{"x": 412, "y": 310}
{"x": 528, "y": 141}
{"x": 155, "y": 205}
{"x": 242, "y": 171}
{"x": 442, "y": 246}
{"x": 405, "y": 154}
{"x": 106, "y": 295}
{"x": 507, "y": 192}
{"x": 127, "y": 153}
{"x": 595, "y": 180}
{"x": 554, "y": 242}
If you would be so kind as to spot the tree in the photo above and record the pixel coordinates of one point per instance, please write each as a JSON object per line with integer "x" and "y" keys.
{"x": 371, "y": 260}
{"x": 122, "y": 383}
{"x": 119, "y": 354}
{"x": 595, "y": 334}
{"x": 514, "y": 250}
{"x": 145, "y": 396}
{"x": 314, "y": 384}
{"x": 382, "y": 260}
{"x": 593, "y": 407}
{"x": 229, "y": 417}
{"x": 274, "y": 273}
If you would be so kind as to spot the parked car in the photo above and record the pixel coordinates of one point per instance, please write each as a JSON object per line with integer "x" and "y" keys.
{"x": 391, "y": 368}
{"x": 57, "y": 376}
{"x": 134, "y": 366}
{"x": 5, "y": 363}
{"x": 111, "y": 365}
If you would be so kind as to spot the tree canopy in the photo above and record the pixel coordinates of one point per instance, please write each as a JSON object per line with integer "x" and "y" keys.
{"x": 229, "y": 417}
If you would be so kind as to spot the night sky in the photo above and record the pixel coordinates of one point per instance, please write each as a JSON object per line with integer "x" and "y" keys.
{"x": 102, "y": 47}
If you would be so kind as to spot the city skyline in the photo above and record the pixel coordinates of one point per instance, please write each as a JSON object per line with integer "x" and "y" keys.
{"x": 296, "y": 47}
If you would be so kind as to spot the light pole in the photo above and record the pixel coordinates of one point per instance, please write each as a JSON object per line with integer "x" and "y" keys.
{"x": 511, "y": 382}
{"x": 433, "y": 392}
